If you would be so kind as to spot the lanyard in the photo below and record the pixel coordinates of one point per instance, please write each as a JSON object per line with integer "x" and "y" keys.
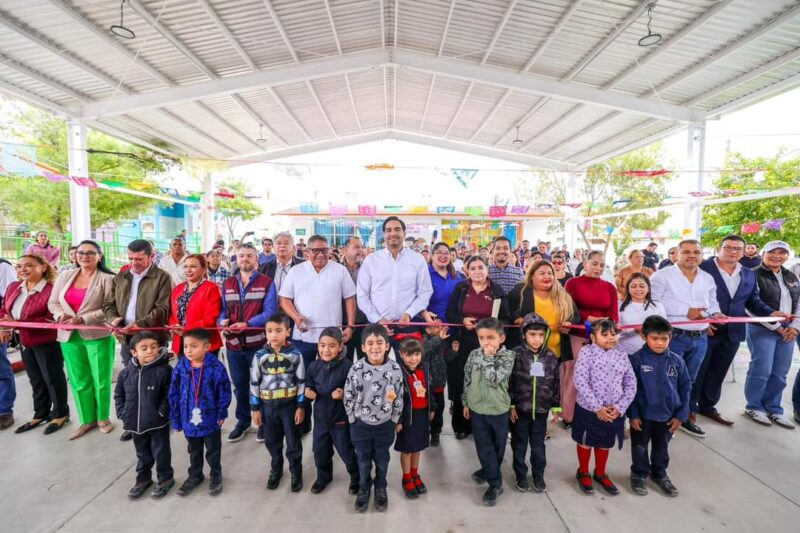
{"x": 196, "y": 386}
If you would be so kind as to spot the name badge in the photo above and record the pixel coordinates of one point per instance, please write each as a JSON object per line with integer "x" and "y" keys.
{"x": 537, "y": 369}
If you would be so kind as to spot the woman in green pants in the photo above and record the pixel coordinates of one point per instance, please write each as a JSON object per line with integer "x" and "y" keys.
{"x": 77, "y": 298}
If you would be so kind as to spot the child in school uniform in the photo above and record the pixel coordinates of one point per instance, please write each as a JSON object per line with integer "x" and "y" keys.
{"x": 413, "y": 431}
{"x": 487, "y": 403}
{"x": 199, "y": 397}
{"x": 325, "y": 379}
{"x": 438, "y": 351}
{"x": 534, "y": 391}
{"x": 374, "y": 403}
{"x": 660, "y": 407}
{"x": 141, "y": 398}
{"x": 606, "y": 386}
{"x": 277, "y": 394}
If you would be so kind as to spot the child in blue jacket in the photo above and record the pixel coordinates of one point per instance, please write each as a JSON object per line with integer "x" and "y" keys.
{"x": 199, "y": 396}
{"x": 660, "y": 407}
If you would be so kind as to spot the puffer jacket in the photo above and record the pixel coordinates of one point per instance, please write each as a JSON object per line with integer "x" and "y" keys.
{"x": 141, "y": 396}
{"x": 534, "y": 394}
{"x": 435, "y": 350}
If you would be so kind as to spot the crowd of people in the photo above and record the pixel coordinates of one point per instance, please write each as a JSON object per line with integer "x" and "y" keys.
{"x": 365, "y": 348}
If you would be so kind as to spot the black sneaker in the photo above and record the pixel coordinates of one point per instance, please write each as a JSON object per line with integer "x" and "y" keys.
{"x": 666, "y": 485}
{"x": 434, "y": 440}
{"x": 237, "y": 434}
{"x": 797, "y": 416}
{"x": 693, "y": 429}
{"x": 490, "y": 496}
{"x": 639, "y": 486}
{"x": 362, "y": 501}
{"x": 260, "y": 434}
{"x": 318, "y": 486}
{"x": 188, "y": 486}
{"x": 215, "y": 486}
{"x": 162, "y": 489}
{"x": 353, "y": 488}
{"x": 538, "y": 484}
{"x": 126, "y": 436}
{"x": 274, "y": 480}
{"x": 381, "y": 500}
{"x": 522, "y": 484}
{"x": 461, "y": 435}
{"x": 297, "y": 482}
{"x": 478, "y": 477}
{"x": 139, "y": 489}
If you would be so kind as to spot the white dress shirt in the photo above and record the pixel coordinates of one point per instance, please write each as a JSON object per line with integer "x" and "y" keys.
{"x": 317, "y": 296}
{"x": 389, "y": 287}
{"x": 629, "y": 340}
{"x": 175, "y": 270}
{"x": 7, "y": 276}
{"x": 732, "y": 281}
{"x": 673, "y": 290}
{"x": 130, "y": 311}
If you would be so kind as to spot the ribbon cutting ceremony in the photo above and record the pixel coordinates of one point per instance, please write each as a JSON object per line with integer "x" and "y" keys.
{"x": 366, "y": 265}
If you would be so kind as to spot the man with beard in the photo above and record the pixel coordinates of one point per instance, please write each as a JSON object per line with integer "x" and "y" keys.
{"x": 751, "y": 258}
{"x": 501, "y": 271}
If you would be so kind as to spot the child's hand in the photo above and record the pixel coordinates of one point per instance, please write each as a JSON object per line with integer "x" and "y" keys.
{"x": 338, "y": 394}
{"x": 614, "y": 413}
{"x": 299, "y": 415}
{"x": 431, "y": 416}
{"x": 391, "y": 395}
{"x": 443, "y": 334}
{"x": 556, "y": 417}
{"x": 673, "y": 424}
{"x": 513, "y": 415}
{"x": 466, "y": 412}
{"x": 636, "y": 424}
{"x": 469, "y": 323}
{"x": 220, "y": 422}
{"x": 256, "y": 416}
{"x": 398, "y": 428}
{"x": 565, "y": 327}
{"x": 491, "y": 351}
{"x": 604, "y": 415}
{"x": 456, "y": 345}
{"x": 311, "y": 394}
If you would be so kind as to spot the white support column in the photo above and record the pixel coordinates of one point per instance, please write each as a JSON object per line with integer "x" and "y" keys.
{"x": 207, "y": 213}
{"x": 570, "y": 195}
{"x": 78, "y": 163}
{"x": 696, "y": 158}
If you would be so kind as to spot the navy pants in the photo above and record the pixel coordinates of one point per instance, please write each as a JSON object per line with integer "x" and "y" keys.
{"x": 212, "y": 443}
{"x": 325, "y": 440}
{"x": 278, "y": 424}
{"x": 707, "y": 388}
{"x": 490, "y": 433}
{"x": 529, "y": 431}
{"x": 372, "y": 445}
{"x": 152, "y": 449}
{"x": 239, "y": 363}
{"x": 8, "y": 389}
{"x": 309, "y": 351}
{"x": 438, "y": 415}
{"x": 656, "y": 436}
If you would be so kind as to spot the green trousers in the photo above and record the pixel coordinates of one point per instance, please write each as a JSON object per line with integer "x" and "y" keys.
{"x": 90, "y": 366}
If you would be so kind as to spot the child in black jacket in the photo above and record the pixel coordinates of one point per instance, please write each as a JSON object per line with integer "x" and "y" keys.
{"x": 534, "y": 391}
{"x": 325, "y": 379}
{"x": 438, "y": 351}
{"x": 142, "y": 403}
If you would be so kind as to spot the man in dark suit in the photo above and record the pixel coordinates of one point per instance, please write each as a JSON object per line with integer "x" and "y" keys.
{"x": 285, "y": 259}
{"x": 737, "y": 292}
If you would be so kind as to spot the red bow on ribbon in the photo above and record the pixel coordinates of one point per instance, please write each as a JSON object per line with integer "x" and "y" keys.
{"x": 416, "y": 335}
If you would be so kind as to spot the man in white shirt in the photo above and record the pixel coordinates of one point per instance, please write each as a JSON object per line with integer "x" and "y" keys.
{"x": 172, "y": 263}
{"x": 688, "y": 293}
{"x": 394, "y": 284}
{"x": 312, "y": 294}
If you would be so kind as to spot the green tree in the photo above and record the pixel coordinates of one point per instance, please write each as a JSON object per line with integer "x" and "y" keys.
{"x": 42, "y": 203}
{"x": 240, "y": 208}
{"x": 773, "y": 173}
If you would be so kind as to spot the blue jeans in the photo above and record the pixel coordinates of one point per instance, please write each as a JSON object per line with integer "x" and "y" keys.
{"x": 239, "y": 363}
{"x": 770, "y": 360}
{"x": 8, "y": 388}
{"x": 691, "y": 349}
{"x": 796, "y": 388}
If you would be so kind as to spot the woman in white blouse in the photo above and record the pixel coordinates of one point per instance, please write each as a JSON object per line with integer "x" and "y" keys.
{"x": 636, "y": 306}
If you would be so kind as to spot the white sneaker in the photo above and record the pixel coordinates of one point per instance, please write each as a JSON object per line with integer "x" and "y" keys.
{"x": 759, "y": 416}
{"x": 782, "y": 421}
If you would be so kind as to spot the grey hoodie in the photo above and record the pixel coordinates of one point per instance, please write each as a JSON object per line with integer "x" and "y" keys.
{"x": 365, "y": 392}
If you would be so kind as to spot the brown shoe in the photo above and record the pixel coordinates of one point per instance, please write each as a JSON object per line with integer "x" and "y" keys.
{"x": 105, "y": 426}
{"x": 716, "y": 417}
{"x": 82, "y": 430}
{"x": 6, "y": 421}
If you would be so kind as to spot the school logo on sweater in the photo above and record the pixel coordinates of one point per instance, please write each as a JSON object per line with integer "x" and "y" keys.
{"x": 672, "y": 371}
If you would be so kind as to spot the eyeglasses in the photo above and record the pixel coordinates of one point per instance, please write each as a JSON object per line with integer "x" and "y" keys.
{"x": 733, "y": 248}
{"x": 86, "y": 254}
{"x": 317, "y": 251}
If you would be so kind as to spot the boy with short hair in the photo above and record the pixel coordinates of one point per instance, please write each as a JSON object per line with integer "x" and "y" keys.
{"x": 534, "y": 388}
{"x": 660, "y": 407}
{"x": 277, "y": 393}
{"x": 142, "y": 403}
{"x": 487, "y": 403}
{"x": 199, "y": 396}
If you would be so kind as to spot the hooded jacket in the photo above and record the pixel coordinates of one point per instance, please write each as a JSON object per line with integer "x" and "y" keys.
{"x": 141, "y": 396}
{"x": 662, "y": 386}
{"x": 324, "y": 377}
{"x": 534, "y": 394}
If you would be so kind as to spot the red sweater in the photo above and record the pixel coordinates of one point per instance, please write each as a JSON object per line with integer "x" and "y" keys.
{"x": 594, "y": 297}
{"x": 202, "y": 312}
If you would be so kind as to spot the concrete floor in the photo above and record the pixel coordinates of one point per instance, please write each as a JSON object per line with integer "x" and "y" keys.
{"x": 745, "y": 478}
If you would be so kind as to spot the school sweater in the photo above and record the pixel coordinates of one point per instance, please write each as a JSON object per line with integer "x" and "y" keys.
{"x": 486, "y": 381}
{"x": 663, "y": 386}
{"x": 365, "y": 392}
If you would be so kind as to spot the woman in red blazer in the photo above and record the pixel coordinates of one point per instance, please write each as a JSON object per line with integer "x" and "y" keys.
{"x": 196, "y": 303}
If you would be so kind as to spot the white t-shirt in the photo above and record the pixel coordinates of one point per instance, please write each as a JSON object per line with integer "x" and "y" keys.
{"x": 629, "y": 340}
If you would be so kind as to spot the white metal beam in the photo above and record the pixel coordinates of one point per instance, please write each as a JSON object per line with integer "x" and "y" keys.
{"x": 499, "y": 30}
{"x": 22, "y": 68}
{"x": 353, "y": 102}
{"x": 551, "y": 36}
{"x": 459, "y": 108}
{"x": 581, "y": 133}
{"x": 127, "y": 137}
{"x": 760, "y": 95}
{"x": 385, "y": 95}
{"x": 233, "y": 41}
{"x": 490, "y": 115}
{"x": 281, "y": 30}
{"x": 39, "y": 101}
{"x": 322, "y": 109}
{"x": 348, "y": 140}
{"x": 333, "y": 26}
{"x": 427, "y": 104}
{"x": 650, "y": 139}
{"x": 289, "y": 113}
{"x": 525, "y": 118}
{"x": 438, "y": 54}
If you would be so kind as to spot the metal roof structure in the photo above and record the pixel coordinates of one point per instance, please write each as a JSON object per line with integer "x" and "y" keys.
{"x": 205, "y": 78}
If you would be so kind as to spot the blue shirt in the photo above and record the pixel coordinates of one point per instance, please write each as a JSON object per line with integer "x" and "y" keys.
{"x": 267, "y": 310}
{"x": 263, "y": 258}
{"x": 442, "y": 289}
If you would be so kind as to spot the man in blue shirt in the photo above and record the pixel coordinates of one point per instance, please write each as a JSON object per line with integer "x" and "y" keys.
{"x": 266, "y": 255}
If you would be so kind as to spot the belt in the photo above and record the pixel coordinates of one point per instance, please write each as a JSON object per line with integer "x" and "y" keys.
{"x": 279, "y": 394}
{"x": 688, "y": 332}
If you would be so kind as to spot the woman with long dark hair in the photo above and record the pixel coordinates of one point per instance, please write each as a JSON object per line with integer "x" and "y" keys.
{"x": 77, "y": 298}
{"x": 444, "y": 279}
{"x": 196, "y": 303}
{"x": 637, "y": 305}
